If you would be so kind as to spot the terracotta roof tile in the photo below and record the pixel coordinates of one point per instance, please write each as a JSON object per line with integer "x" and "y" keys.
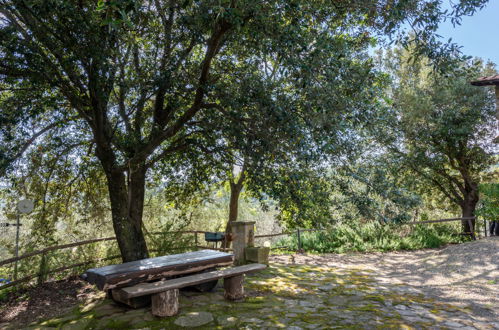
{"x": 484, "y": 81}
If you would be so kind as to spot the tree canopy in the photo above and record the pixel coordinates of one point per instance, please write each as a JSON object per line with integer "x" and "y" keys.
{"x": 439, "y": 127}
{"x": 140, "y": 85}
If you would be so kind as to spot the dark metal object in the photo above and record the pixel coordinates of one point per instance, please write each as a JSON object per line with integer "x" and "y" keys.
{"x": 214, "y": 237}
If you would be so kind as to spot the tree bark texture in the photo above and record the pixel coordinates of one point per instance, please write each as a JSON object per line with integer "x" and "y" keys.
{"x": 165, "y": 303}
{"x": 234, "y": 289}
{"x": 469, "y": 202}
{"x": 468, "y": 210}
{"x": 235, "y": 192}
{"x": 127, "y": 203}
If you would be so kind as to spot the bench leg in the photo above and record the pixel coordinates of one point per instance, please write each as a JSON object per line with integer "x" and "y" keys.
{"x": 165, "y": 303}
{"x": 233, "y": 286}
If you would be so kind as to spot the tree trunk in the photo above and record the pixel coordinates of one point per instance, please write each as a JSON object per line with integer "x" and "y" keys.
{"x": 235, "y": 192}
{"x": 468, "y": 210}
{"x": 127, "y": 204}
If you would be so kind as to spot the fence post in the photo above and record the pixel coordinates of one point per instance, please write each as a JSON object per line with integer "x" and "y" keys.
{"x": 42, "y": 271}
{"x": 485, "y": 226}
{"x": 196, "y": 239}
{"x": 298, "y": 236}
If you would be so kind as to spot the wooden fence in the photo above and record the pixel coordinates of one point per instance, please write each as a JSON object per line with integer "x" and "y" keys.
{"x": 196, "y": 245}
{"x": 44, "y": 253}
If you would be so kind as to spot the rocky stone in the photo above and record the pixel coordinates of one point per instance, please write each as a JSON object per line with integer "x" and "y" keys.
{"x": 453, "y": 324}
{"x": 305, "y": 303}
{"x": 194, "y": 319}
{"x": 327, "y": 287}
{"x": 107, "y": 309}
{"x": 253, "y": 320}
{"x": 88, "y": 307}
{"x": 79, "y": 324}
{"x": 415, "y": 319}
{"x": 407, "y": 312}
{"x": 297, "y": 310}
{"x": 227, "y": 321}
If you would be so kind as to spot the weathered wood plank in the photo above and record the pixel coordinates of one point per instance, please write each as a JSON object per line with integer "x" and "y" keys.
{"x": 136, "y": 302}
{"x": 182, "y": 282}
{"x": 129, "y": 273}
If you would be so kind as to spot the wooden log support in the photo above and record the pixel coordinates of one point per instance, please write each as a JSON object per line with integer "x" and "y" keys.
{"x": 234, "y": 289}
{"x": 165, "y": 303}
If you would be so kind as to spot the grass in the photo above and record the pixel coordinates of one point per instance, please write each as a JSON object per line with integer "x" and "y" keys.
{"x": 373, "y": 236}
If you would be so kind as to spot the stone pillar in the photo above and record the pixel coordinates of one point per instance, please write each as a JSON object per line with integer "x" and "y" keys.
{"x": 243, "y": 235}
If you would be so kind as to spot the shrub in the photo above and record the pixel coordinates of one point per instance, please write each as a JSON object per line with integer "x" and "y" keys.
{"x": 373, "y": 236}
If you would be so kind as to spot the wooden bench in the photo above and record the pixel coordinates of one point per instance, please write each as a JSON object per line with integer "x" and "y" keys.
{"x": 164, "y": 294}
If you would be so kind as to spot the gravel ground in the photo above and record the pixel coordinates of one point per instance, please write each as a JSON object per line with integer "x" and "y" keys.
{"x": 465, "y": 274}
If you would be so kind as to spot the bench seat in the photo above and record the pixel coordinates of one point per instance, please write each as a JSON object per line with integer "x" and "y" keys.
{"x": 164, "y": 294}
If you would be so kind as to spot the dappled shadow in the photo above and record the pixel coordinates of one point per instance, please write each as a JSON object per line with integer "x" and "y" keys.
{"x": 47, "y": 300}
{"x": 465, "y": 274}
{"x": 315, "y": 296}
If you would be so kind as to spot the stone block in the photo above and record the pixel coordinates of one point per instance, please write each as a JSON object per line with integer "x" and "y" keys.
{"x": 257, "y": 254}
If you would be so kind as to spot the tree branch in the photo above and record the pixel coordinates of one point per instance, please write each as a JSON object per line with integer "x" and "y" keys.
{"x": 28, "y": 143}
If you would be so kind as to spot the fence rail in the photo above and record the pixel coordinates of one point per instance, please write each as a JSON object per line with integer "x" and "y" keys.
{"x": 440, "y": 220}
{"x": 53, "y": 248}
{"x": 298, "y": 232}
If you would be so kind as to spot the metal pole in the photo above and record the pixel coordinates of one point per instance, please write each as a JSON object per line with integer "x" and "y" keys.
{"x": 17, "y": 246}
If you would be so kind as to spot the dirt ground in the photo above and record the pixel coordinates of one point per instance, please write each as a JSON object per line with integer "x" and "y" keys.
{"x": 48, "y": 300}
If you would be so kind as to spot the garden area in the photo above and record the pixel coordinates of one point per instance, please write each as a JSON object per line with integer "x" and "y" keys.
{"x": 248, "y": 165}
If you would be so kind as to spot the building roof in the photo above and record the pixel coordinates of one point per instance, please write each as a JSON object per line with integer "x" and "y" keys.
{"x": 484, "y": 81}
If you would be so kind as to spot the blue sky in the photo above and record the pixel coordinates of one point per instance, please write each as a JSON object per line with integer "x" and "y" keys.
{"x": 478, "y": 34}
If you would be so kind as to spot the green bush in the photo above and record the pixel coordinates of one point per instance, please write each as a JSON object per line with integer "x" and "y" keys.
{"x": 373, "y": 236}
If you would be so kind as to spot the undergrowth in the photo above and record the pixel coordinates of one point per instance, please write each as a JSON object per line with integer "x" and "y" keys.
{"x": 373, "y": 236}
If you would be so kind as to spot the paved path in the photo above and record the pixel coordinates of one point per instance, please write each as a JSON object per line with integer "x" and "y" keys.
{"x": 291, "y": 296}
{"x": 465, "y": 275}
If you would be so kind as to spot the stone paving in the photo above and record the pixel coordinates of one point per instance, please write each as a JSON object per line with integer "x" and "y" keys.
{"x": 289, "y": 297}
